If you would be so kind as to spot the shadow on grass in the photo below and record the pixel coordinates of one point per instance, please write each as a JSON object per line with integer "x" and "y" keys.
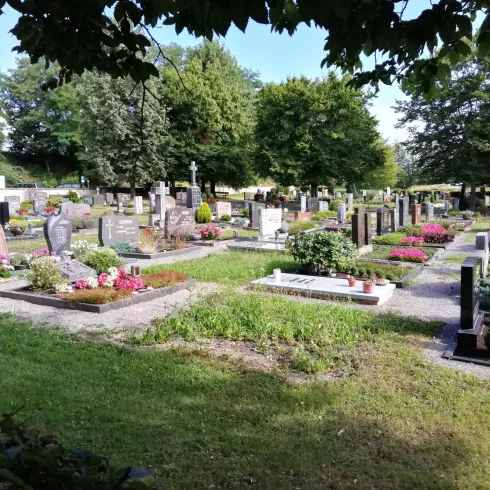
{"x": 198, "y": 423}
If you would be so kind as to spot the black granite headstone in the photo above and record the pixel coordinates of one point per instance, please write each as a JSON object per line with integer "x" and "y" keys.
{"x": 471, "y": 271}
{"x": 359, "y": 229}
{"x": 57, "y": 232}
{"x": 383, "y": 224}
{"x": 113, "y": 229}
{"x": 403, "y": 212}
{"x": 194, "y": 197}
{"x": 368, "y": 231}
{"x": 4, "y": 213}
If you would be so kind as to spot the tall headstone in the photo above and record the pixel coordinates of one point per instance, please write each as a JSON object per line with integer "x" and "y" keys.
{"x": 416, "y": 214}
{"x": 57, "y": 232}
{"x": 359, "y": 229}
{"x": 429, "y": 211}
{"x": 269, "y": 221}
{"x": 403, "y": 211}
{"x": 109, "y": 197}
{"x": 481, "y": 250}
{"x": 4, "y": 213}
{"x": 151, "y": 199}
{"x": 3, "y": 243}
{"x": 388, "y": 192}
{"x": 138, "y": 205}
{"x": 368, "y": 233}
{"x": 158, "y": 190}
{"x": 13, "y": 203}
{"x": 383, "y": 222}
{"x": 113, "y": 229}
{"x": 420, "y": 198}
{"x": 446, "y": 207}
{"x": 253, "y": 213}
{"x": 313, "y": 205}
{"x": 98, "y": 199}
{"x": 194, "y": 194}
{"x": 350, "y": 202}
{"x": 178, "y": 218}
{"x": 303, "y": 203}
{"x": 341, "y": 213}
{"x": 456, "y": 202}
{"x": 394, "y": 220}
{"x": 39, "y": 204}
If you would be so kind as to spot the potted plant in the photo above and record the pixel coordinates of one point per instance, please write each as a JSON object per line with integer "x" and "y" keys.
{"x": 352, "y": 281}
{"x": 17, "y": 228}
{"x": 368, "y": 286}
{"x": 19, "y": 261}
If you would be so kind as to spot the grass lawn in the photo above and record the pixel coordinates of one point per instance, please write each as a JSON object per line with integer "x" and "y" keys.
{"x": 241, "y": 233}
{"x": 457, "y": 258}
{"x": 482, "y": 224}
{"x": 398, "y": 422}
{"x": 231, "y": 268}
{"x": 383, "y": 252}
{"x": 28, "y": 246}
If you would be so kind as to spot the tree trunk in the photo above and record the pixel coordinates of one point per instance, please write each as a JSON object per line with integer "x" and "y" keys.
{"x": 213, "y": 188}
{"x": 203, "y": 186}
{"x": 133, "y": 188}
{"x": 313, "y": 190}
{"x": 173, "y": 190}
{"x": 463, "y": 205}
{"x": 473, "y": 197}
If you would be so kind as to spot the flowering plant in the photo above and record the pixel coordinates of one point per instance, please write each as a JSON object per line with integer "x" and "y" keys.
{"x": 42, "y": 252}
{"x": 117, "y": 278}
{"x": 431, "y": 228}
{"x": 86, "y": 215}
{"x": 408, "y": 255}
{"x": 49, "y": 209}
{"x": 210, "y": 232}
{"x": 412, "y": 240}
{"x": 22, "y": 211}
{"x": 82, "y": 247}
{"x": 16, "y": 226}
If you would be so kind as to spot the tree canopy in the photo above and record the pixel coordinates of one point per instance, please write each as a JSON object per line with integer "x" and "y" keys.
{"x": 79, "y": 34}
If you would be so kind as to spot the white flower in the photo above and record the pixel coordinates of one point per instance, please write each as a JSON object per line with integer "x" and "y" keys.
{"x": 62, "y": 287}
{"x": 92, "y": 282}
{"x": 285, "y": 210}
{"x": 109, "y": 283}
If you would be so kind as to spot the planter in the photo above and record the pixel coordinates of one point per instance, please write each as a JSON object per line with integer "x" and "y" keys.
{"x": 20, "y": 267}
{"x": 368, "y": 288}
{"x": 352, "y": 282}
{"x": 17, "y": 232}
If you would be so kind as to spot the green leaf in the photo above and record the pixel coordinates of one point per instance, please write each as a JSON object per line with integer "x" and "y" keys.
{"x": 119, "y": 11}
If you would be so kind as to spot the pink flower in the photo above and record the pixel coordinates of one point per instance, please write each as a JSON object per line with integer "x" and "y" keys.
{"x": 428, "y": 228}
{"x": 122, "y": 274}
{"x": 81, "y": 284}
{"x": 103, "y": 278}
{"x": 412, "y": 240}
{"x": 408, "y": 255}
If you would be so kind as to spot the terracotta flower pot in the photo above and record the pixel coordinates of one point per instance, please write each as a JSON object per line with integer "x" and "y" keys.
{"x": 368, "y": 288}
{"x": 352, "y": 282}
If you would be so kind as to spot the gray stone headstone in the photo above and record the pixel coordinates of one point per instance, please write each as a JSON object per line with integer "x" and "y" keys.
{"x": 74, "y": 210}
{"x": 303, "y": 203}
{"x": 151, "y": 198}
{"x": 109, "y": 197}
{"x": 313, "y": 205}
{"x": 73, "y": 270}
{"x": 403, "y": 211}
{"x": 429, "y": 211}
{"x": 98, "y": 199}
{"x": 57, "y": 232}
{"x": 253, "y": 214}
{"x": 323, "y": 205}
{"x": 446, "y": 207}
{"x": 124, "y": 198}
{"x": 14, "y": 204}
{"x": 481, "y": 250}
{"x": 35, "y": 194}
{"x": 113, "y": 229}
{"x": 456, "y": 202}
{"x": 138, "y": 205}
{"x": 394, "y": 220}
{"x": 269, "y": 221}
{"x": 222, "y": 208}
{"x": 39, "y": 205}
{"x": 194, "y": 197}
{"x": 383, "y": 221}
{"x": 350, "y": 202}
{"x": 341, "y": 213}
{"x": 359, "y": 229}
{"x": 179, "y": 217}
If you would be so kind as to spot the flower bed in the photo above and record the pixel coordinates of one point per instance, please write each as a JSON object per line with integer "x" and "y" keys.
{"x": 408, "y": 255}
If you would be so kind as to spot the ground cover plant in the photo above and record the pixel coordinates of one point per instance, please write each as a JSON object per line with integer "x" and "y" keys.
{"x": 370, "y": 269}
{"x": 383, "y": 252}
{"x": 232, "y": 268}
{"x": 397, "y": 422}
{"x": 408, "y": 255}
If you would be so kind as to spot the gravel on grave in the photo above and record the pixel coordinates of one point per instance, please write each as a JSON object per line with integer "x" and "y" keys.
{"x": 137, "y": 317}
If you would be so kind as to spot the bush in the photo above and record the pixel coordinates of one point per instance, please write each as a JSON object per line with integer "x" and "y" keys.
{"x": 44, "y": 274}
{"x": 391, "y": 239}
{"x": 324, "y": 250}
{"x": 299, "y": 226}
{"x": 26, "y": 204}
{"x": 148, "y": 241}
{"x": 123, "y": 247}
{"x": 334, "y": 205}
{"x": 84, "y": 223}
{"x": 410, "y": 230}
{"x": 246, "y": 211}
{"x": 102, "y": 259}
{"x": 73, "y": 197}
{"x": 204, "y": 214}
{"x": 53, "y": 201}
{"x": 321, "y": 215}
{"x": 362, "y": 272}
{"x": 225, "y": 217}
{"x": 163, "y": 279}
{"x": 4, "y": 272}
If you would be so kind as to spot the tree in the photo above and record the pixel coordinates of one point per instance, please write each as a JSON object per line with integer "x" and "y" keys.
{"x": 79, "y": 34}
{"x": 124, "y": 131}
{"x": 211, "y": 114}
{"x": 43, "y": 126}
{"x": 385, "y": 175}
{"x": 315, "y": 132}
{"x": 407, "y": 164}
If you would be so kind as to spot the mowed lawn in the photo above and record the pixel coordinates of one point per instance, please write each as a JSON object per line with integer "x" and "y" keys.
{"x": 397, "y": 422}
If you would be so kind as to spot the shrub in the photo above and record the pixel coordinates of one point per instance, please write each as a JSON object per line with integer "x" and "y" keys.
{"x": 225, "y": 217}
{"x": 81, "y": 247}
{"x": 53, "y": 201}
{"x": 123, "y": 247}
{"x": 26, "y": 204}
{"x": 239, "y": 222}
{"x": 321, "y": 215}
{"x": 299, "y": 226}
{"x": 97, "y": 296}
{"x": 408, "y": 255}
{"x": 204, "y": 214}
{"x": 369, "y": 271}
{"x": 210, "y": 232}
{"x": 18, "y": 259}
{"x": 163, "y": 279}
{"x": 335, "y": 204}
{"x": 328, "y": 250}
{"x": 390, "y": 277}
{"x": 410, "y": 230}
{"x": 246, "y": 211}
{"x": 73, "y": 197}
{"x": 101, "y": 260}
{"x": 4, "y": 272}
{"x": 44, "y": 273}
{"x": 83, "y": 223}
{"x": 362, "y": 272}
{"x": 391, "y": 239}
{"x": 148, "y": 241}
{"x": 439, "y": 238}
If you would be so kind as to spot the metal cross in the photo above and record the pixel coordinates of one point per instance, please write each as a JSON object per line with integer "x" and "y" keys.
{"x": 193, "y": 170}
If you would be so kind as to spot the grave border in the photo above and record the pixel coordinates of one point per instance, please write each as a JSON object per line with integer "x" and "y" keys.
{"x": 40, "y": 299}
{"x": 156, "y": 255}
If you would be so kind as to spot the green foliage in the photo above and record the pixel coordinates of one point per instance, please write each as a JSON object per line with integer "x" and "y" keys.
{"x": 4, "y": 273}
{"x": 225, "y": 217}
{"x": 391, "y": 239}
{"x": 53, "y": 201}
{"x": 84, "y": 223}
{"x": 101, "y": 260}
{"x": 299, "y": 226}
{"x": 334, "y": 205}
{"x": 321, "y": 215}
{"x": 44, "y": 274}
{"x": 385, "y": 175}
{"x": 324, "y": 250}
{"x": 74, "y": 197}
{"x": 13, "y": 174}
{"x": 123, "y": 247}
{"x": 26, "y": 204}
{"x": 36, "y": 461}
{"x": 203, "y": 214}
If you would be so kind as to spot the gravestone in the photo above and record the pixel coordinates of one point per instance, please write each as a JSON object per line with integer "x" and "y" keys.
{"x": 89, "y": 200}
{"x": 73, "y": 270}
{"x": 138, "y": 205}
{"x": 74, "y": 210}
{"x": 248, "y": 196}
{"x": 446, "y": 207}
{"x": 35, "y": 194}
{"x": 429, "y": 211}
{"x": 120, "y": 206}
{"x": 98, "y": 199}
{"x": 179, "y": 218}
{"x": 253, "y": 213}
{"x": 109, "y": 197}
{"x": 323, "y": 205}
{"x": 420, "y": 198}
{"x": 396, "y": 200}
{"x": 57, "y": 232}
{"x": 368, "y": 233}
{"x": 194, "y": 194}
{"x": 481, "y": 250}
{"x": 4, "y": 213}
{"x": 303, "y": 203}
{"x": 313, "y": 204}
{"x": 416, "y": 214}
{"x": 170, "y": 202}
{"x": 403, "y": 211}
{"x": 13, "y": 203}
{"x": 350, "y": 202}
{"x": 411, "y": 199}
{"x": 151, "y": 198}
{"x": 158, "y": 190}
{"x": 456, "y": 202}
{"x": 388, "y": 192}
{"x": 383, "y": 224}
{"x": 3, "y": 243}
{"x": 471, "y": 319}
{"x": 269, "y": 221}
{"x": 394, "y": 220}
{"x": 113, "y": 229}
{"x": 359, "y": 229}
{"x": 39, "y": 205}
{"x": 124, "y": 198}
{"x": 223, "y": 208}
{"x": 341, "y": 213}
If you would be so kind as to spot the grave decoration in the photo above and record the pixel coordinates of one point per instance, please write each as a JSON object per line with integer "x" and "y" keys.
{"x": 113, "y": 229}
{"x": 57, "y": 232}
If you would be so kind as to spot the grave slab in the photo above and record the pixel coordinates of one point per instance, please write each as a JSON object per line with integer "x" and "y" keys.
{"x": 325, "y": 288}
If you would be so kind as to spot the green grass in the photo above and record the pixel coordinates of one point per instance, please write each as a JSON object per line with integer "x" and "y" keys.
{"x": 383, "y": 252}
{"x": 398, "y": 272}
{"x": 482, "y": 224}
{"x": 320, "y": 333}
{"x": 399, "y": 422}
{"x": 232, "y": 268}
{"x": 28, "y": 246}
{"x": 457, "y": 258}
{"x": 241, "y": 233}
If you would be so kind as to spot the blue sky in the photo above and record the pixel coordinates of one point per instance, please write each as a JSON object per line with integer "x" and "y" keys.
{"x": 273, "y": 55}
